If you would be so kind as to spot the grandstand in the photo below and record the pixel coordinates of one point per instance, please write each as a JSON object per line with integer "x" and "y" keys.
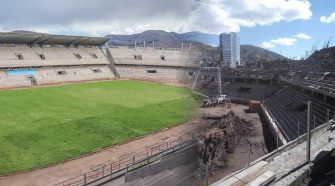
{"x": 289, "y": 107}
{"x": 319, "y": 82}
{"x": 37, "y": 59}
{"x": 156, "y": 64}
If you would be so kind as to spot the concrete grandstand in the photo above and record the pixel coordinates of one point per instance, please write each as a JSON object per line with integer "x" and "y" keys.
{"x": 156, "y": 64}
{"x": 37, "y": 59}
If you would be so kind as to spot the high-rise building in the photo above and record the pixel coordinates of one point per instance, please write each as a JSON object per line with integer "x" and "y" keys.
{"x": 230, "y": 49}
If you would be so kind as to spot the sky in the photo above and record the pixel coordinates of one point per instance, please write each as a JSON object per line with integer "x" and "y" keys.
{"x": 288, "y": 27}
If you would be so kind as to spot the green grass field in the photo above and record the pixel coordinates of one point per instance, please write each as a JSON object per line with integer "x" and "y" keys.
{"x": 40, "y": 126}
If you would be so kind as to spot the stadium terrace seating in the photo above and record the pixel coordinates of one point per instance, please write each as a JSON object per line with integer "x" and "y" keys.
{"x": 71, "y": 74}
{"x": 26, "y": 59}
{"x": 8, "y": 81}
{"x": 289, "y": 107}
{"x": 154, "y": 57}
{"x": 49, "y": 56}
{"x": 323, "y": 81}
{"x": 49, "y": 75}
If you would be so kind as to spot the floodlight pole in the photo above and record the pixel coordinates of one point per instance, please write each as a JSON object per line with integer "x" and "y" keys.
{"x": 219, "y": 81}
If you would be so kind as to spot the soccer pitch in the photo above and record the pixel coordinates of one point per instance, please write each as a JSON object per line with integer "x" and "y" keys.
{"x": 41, "y": 126}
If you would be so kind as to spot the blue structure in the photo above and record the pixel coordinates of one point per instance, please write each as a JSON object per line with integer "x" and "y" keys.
{"x": 22, "y": 72}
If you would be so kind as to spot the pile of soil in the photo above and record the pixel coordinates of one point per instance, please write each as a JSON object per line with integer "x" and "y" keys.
{"x": 220, "y": 137}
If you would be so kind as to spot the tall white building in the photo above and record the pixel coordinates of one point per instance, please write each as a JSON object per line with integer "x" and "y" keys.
{"x": 230, "y": 49}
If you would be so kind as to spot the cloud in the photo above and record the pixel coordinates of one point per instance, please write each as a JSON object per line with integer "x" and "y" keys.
{"x": 302, "y": 36}
{"x": 329, "y": 19}
{"x": 100, "y": 17}
{"x": 268, "y": 45}
{"x": 285, "y": 41}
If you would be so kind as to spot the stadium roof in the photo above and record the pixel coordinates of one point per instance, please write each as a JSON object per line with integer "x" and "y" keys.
{"x": 47, "y": 39}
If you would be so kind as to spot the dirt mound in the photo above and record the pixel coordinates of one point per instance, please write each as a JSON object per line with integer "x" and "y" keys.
{"x": 221, "y": 137}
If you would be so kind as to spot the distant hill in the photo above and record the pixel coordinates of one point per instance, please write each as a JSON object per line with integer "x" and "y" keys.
{"x": 250, "y": 53}
{"x": 209, "y": 39}
{"x": 159, "y": 37}
{"x": 203, "y": 41}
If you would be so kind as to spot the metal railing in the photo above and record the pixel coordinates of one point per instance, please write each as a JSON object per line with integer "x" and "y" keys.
{"x": 128, "y": 163}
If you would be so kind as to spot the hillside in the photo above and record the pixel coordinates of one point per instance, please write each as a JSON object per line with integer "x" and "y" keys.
{"x": 254, "y": 54}
{"x": 161, "y": 39}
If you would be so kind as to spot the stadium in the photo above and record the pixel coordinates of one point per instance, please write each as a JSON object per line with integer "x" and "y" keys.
{"x": 66, "y": 100}
{"x": 61, "y": 95}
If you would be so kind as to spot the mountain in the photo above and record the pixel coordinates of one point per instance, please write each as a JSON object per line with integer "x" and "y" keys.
{"x": 250, "y": 53}
{"x": 206, "y": 43}
{"x": 158, "y": 37}
{"x": 209, "y": 39}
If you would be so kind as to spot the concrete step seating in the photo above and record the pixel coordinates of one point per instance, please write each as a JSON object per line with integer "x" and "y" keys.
{"x": 255, "y": 175}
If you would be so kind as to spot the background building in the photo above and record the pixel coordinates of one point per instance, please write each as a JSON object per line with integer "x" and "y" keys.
{"x": 230, "y": 49}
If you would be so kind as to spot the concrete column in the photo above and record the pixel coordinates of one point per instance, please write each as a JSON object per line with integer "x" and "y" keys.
{"x": 308, "y": 155}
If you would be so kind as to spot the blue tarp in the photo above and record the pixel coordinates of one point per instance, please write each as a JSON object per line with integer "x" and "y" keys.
{"x": 22, "y": 72}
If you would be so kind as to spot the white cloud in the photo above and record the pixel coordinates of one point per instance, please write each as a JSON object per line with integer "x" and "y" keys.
{"x": 302, "y": 36}
{"x": 268, "y": 45}
{"x": 128, "y": 16}
{"x": 215, "y": 16}
{"x": 285, "y": 41}
{"x": 329, "y": 19}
